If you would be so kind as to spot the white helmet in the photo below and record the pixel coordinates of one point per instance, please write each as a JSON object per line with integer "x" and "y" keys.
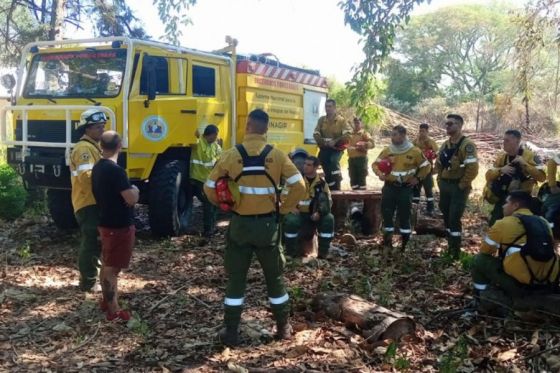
{"x": 92, "y": 116}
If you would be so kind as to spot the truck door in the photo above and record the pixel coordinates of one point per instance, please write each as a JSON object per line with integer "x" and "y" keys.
{"x": 313, "y": 109}
{"x": 207, "y": 88}
{"x": 166, "y": 121}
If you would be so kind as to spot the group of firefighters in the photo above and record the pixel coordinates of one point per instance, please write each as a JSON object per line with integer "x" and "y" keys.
{"x": 273, "y": 202}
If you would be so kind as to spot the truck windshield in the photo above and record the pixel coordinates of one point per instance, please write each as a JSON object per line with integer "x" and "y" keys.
{"x": 89, "y": 73}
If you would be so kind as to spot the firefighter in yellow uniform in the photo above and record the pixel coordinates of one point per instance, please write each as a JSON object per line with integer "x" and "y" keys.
{"x": 401, "y": 166}
{"x": 429, "y": 148}
{"x": 313, "y": 211}
{"x": 516, "y": 168}
{"x": 332, "y": 134}
{"x": 457, "y": 167}
{"x": 504, "y": 260}
{"x": 360, "y": 142}
{"x": 257, "y": 169}
{"x": 82, "y": 159}
{"x": 204, "y": 155}
{"x": 551, "y": 199}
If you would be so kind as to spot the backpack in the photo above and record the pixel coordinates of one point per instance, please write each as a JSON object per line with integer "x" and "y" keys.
{"x": 320, "y": 201}
{"x": 255, "y": 165}
{"x": 447, "y": 153}
{"x": 539, "y": 244}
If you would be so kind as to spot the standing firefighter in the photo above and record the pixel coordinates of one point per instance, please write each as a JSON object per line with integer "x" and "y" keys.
{"x": 401, "y": 166}
{"x": 457, "y": 166}
{"x": 360, "y": 142}
{"x": 332, "y": 134}
{"x": 255, "y": 169}
{"x": 429, "y": 148}
{"x": 516, "y": 168}
{"x": 203, "y": 157}
{"x": 82, "y": 159}
{"x": 313, "y": 212}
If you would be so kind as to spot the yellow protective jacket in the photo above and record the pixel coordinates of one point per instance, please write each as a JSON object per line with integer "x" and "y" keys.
{"x": 82, "y": 159}
{"x": 405, "y": 166}
{"x": 203, "y": 158}
{"x": 257, "y": 195}
{"x": 464, "y": 164}
{"x": 533, "y": 170}
{"x": 355, "y": 137}
{"x": 552, "y": 169}
{"x": 428, "y": 143}
{"x": 502, "y": 235}
{"x": 310, "y": 188}
{"x": 331, "y": 129}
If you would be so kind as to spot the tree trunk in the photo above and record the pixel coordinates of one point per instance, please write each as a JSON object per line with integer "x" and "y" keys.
{"x": 527, "y": 121}
{"x": 57, "y": 20}
{"x": 374, "y": 322}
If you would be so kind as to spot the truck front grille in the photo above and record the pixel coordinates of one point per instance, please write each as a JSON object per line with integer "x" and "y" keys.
{"x": 45, "y": 131}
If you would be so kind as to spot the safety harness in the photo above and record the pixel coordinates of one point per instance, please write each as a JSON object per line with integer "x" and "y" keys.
{"x": 254, "y": 165}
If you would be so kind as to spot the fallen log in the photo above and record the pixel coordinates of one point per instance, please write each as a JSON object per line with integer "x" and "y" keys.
{"x": 426, "y": 224}
{"x": 374, "y": 322}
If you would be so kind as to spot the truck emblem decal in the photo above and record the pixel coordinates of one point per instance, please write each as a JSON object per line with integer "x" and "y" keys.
{"x": 154, "y": 128}
{"x": 57, "y": 170}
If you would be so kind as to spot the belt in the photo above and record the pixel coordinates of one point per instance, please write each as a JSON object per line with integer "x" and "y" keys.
{"x": 398, "y": 184}
{"x": 453, "y": 181}
{"x": 256, "y": 216}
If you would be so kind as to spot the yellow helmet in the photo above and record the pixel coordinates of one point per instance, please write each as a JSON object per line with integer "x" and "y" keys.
{"x": 92, "y": 116}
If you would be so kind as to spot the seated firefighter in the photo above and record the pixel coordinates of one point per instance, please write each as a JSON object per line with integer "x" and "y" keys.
{"x": 550, "y": 192}
{"x": 312, "y": 213}
{"x": 518, "y": 253}
{"x": 516, "y": 168}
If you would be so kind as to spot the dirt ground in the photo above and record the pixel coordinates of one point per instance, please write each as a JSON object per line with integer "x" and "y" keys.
{"x": 175, "y": 288}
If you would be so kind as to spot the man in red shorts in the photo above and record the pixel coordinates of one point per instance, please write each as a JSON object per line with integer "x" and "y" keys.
{"x": 115, "y": 198}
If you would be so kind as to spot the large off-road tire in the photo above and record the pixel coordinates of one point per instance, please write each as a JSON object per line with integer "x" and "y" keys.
{"x": 59, "y": 202}
{"x": 167, "y": 198}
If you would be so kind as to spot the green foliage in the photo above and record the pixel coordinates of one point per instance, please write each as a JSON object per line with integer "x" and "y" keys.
{"x": 173, "y": 14}
{"x": 400, "y": 363}
{"x": 12, "y": 193}
{"x": 138, "y": 326}
{"x": 466, "y": 261}
{"x": 339, "y": 93}
{"x": 454, "y": 358}
{"x": 363, "y": 94}
{"x": 24, "y": 252}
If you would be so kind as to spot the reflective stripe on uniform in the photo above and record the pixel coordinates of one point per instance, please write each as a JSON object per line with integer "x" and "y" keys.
{"x": 403, "y": 173}
{"x": 389, "y": 229}
{"x": 470, "y": 160}
{"x": 540, "y": 167}
{"x": 430, "y": 199}
{"x": 307, "y": 202}
{"x": 551, "y": 225}
{"x": 283, "y": 299}
{"x": 491, "y": 242}
{"x": 290, "y": 235}
{"x": 257, "y": 191}
{"x": 326, "y": 235}
{"x": 335, "y": 172}
{"x": 424, "y": 164}
{"x": 416, "y": 199}
{"x": 211, "y": 184}
{"x": 455, "y": 234}
{"x": 254, "y": 168}
{"x": 233, "y": 301}
{"x": 294, "y": 179}
{"x": 332, "y": 183}
{"x": 480, "y": 286}
{"x": 512, "y": 250}
{"x": 354, "y": 186}
{"x": 405, "y": 231}
{"x": 81, "y": 168}
{"x": 205, "y": 164}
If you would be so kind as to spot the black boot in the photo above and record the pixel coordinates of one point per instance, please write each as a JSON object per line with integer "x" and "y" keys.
{"x": 229, "y": 336}
{"x": 405, "y": 239}
{"x": 430, "y": 208}
{"x": 283, "y": 330}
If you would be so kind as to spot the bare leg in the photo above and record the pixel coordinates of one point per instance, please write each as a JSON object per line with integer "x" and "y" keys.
{"x": 108, "y": 278}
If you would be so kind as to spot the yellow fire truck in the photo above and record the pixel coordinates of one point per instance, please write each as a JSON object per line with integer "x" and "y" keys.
{"x": 156, "y": 95}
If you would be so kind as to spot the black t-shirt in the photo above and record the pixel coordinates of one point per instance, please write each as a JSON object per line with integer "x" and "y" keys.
{"x": 108, "y": 180}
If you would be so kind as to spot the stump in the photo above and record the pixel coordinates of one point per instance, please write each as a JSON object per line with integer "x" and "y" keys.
{"x": 371, "y": 211}
{"x": 374, "y": 322}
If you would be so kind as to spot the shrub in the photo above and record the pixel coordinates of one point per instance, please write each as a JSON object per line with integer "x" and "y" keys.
{"x": 12, "y": 193}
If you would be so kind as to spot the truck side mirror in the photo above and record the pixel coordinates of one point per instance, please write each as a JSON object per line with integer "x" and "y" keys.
{"x": 8, "y": 81}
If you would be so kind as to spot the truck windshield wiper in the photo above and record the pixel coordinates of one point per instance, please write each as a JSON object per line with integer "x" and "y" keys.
{"x": 51, "y": 100}
{"x": 97, "y": 103}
